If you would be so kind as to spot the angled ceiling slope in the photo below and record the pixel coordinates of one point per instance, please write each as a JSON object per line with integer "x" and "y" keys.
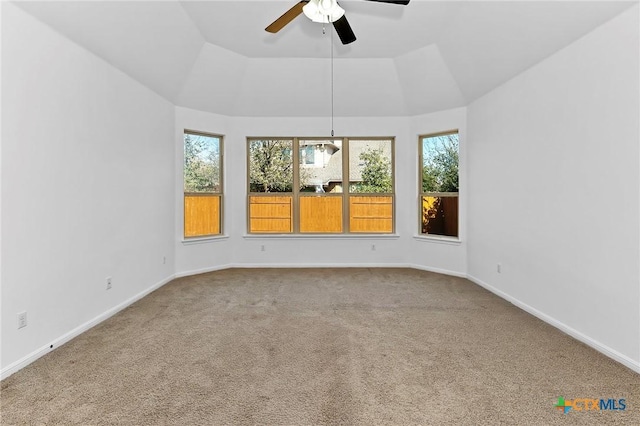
{"x": 428, "y": 56}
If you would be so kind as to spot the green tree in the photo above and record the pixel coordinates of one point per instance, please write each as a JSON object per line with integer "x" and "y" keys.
{"x": 376, "y": 173}
{"x": 440, "y": 164}
{"x": 201, "y": 163}
{"x": 270, "y": 166}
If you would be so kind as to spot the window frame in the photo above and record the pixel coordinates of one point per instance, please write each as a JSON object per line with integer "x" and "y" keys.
{"x": 296, "y": 194}
{"x": 219, "y": 193}
{"x": 422, "y": 194}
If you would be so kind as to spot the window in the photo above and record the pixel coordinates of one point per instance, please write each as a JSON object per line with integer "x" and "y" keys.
{"x": 202, "y": 184}
{"x": 370, "y": 176}
{"x": 439, "y": 184}
{"x": 298, "y": 185}
{"x": 271, "y": 183}
{"x": 308, "y": 154}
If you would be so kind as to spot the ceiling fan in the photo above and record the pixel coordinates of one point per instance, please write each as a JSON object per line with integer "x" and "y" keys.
{"x": 323, "y": 11}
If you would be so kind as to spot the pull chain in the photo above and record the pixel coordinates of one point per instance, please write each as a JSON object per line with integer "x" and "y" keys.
{"x": 331, "y": 83}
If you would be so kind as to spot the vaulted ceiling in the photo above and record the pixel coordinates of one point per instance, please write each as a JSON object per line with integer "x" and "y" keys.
{"x": 428, "y": 56}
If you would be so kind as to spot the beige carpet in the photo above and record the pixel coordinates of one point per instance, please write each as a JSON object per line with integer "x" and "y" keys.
{"x": 319, "y": 346}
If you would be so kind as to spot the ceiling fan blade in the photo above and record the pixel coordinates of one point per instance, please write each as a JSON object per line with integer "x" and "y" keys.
{"x": 286, "y": 17}
{"x": 402, "y": 2}
{"x": 344, "y": 30}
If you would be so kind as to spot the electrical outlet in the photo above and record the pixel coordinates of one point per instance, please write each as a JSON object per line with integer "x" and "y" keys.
{"x": 108, "y": 283}
{"x": 499, "y": 268}
{"x": 373, "y": 247}
{"x": 22, "y": 320}
{"x": 263, "y": 248}
{"x": 164, "y": 260}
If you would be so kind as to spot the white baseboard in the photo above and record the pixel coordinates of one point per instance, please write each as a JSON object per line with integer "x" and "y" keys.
{"x": 23, "y": 362}
{"x": 437, "y": 270}
{"x": 203, "y": 270}
{"x": 291, "y": 265}
{"x": 603, "y": 349}
{"x": 33, "y": 356}
{"x": 321, "y": 265}
{"x": 611, "y": 353}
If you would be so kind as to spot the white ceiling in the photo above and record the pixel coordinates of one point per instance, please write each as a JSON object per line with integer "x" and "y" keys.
{"x": 428, "y": 56}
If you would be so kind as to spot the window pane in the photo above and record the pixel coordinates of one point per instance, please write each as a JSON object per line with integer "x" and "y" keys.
{"x": 317, "y": 200}
{"x": 440, "y": 215}
{"x": 371, "y": 214}
{"x": 321, "y": 166}
{"x": 270, "y": 165}
{"x": 370, "y": 168}
{"x": 270, "y": 214}
{"x": 307, "y": 154}
{"x": 202, "y": 184}
{"x": 440, "y": 163}
{"x": 321, "y": 214}
{"x": 439, "y": 185}
{"x": 201, "y": 215}
{"x": 201, "y": 163}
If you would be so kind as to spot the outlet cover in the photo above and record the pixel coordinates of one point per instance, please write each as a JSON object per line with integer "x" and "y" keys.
{"x": 22, "y": 320}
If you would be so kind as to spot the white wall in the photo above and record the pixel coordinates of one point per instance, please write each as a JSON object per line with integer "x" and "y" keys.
{"x": 441, "y": 254}
{"x": 242, "y": 250}
{"x": 87, "y": 188}
{"x": 553, "y": 177}
{"x": 209, "y": 254}
{"x": 549, "y": 188}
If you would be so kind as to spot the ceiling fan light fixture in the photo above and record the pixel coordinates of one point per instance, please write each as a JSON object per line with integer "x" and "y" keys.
{"x": 323, "y": 11}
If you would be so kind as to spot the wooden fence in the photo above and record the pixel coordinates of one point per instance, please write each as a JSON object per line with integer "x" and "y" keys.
{"x": 201, "y": 215}
{"x": 320, "y": 214}
{"x": 271, "y": 214}
{"x": 440, "y": 215}
{"x": 371, "y": 214}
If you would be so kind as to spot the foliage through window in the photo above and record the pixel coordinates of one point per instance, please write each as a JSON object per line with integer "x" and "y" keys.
{"x": 271, "y": 166}
{"x": 312, "y": 196}
{"x": 370, "y": 164}
{"x": 439, "y": 182}
{"x": 202, "y": 175}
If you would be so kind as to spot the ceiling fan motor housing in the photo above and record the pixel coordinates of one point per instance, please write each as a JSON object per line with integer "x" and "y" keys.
{"x": 323, "y": 11}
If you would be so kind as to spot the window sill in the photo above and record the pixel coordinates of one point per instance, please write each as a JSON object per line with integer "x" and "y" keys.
{"x": 322, "y": 236}
{"x": 204, "y": 240}
{"x": 438, "y": 240}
